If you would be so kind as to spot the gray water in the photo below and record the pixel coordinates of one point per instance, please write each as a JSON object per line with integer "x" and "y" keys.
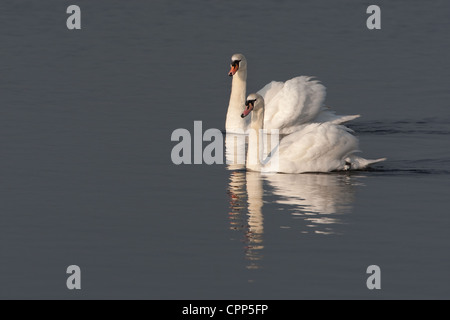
{"x": 87, "y": 178}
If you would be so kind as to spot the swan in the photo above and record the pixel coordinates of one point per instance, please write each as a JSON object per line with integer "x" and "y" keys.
{"x": 314, "y": 147}
{"x": 289, "y": 104}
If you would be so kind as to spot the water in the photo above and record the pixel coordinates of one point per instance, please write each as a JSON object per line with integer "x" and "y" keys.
{"x": 87, "y": 178}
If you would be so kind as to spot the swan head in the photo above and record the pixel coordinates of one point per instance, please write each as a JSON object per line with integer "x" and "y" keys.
{"x": 238, "y": 62}
{"x": 254, "y": 102}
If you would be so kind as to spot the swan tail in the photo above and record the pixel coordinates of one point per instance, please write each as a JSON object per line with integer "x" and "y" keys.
{"x": 328, "y": 115}
{"x": 343, "y": 119}
{"x": 357, "y": 163}
{"x": 369, "y": 161}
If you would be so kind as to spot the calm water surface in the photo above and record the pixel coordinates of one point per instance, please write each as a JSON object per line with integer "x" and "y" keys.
{"x": 87, "y": 178}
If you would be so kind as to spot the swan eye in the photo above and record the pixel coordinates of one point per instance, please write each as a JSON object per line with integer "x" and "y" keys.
{"x": 250, "y": 101}
{"x": 235, "y": 62}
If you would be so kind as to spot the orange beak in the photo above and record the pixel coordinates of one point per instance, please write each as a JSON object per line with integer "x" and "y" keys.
{"x": 233, "y": 70}
{"x": 248, "y": 109}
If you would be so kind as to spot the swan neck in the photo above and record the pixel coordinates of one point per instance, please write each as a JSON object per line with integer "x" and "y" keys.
{"x": 234, "y": 121}
{"x": 238, "y": 90}
{"x": 255, "y": 140}
{"x": 258, "y": 119}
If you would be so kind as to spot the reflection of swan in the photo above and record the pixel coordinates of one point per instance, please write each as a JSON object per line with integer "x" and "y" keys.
{"x": 236, "y": 193}
{"x": 316, "y": 193}
{"x": 288, "y": 104}
{"x": 315, "y": 147}
{"x": 316, "y": 203}
{"x": 255, "y": 217}
{"x": 255, "y": 203}
{"x": 318, "y": 199}
{"x": 252, "y": 200}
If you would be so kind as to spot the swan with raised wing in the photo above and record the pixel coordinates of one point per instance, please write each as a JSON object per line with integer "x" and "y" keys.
{"x": 289, "y": 104}
{"x": 314, "y": 147}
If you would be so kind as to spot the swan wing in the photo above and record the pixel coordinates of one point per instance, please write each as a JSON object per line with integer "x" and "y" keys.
{"x": 317, "y": 147}
{"x": 270, "y": 90}
{"x": 292, "y": 103}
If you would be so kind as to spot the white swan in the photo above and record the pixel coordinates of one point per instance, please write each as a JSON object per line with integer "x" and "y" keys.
{"x": 288, "y": 104}
{"x": 314, "y": 147}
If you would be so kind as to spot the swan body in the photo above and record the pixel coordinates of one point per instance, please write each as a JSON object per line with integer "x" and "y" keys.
{"x": 314, "y": 147}
{"x": 288, "y": 105}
